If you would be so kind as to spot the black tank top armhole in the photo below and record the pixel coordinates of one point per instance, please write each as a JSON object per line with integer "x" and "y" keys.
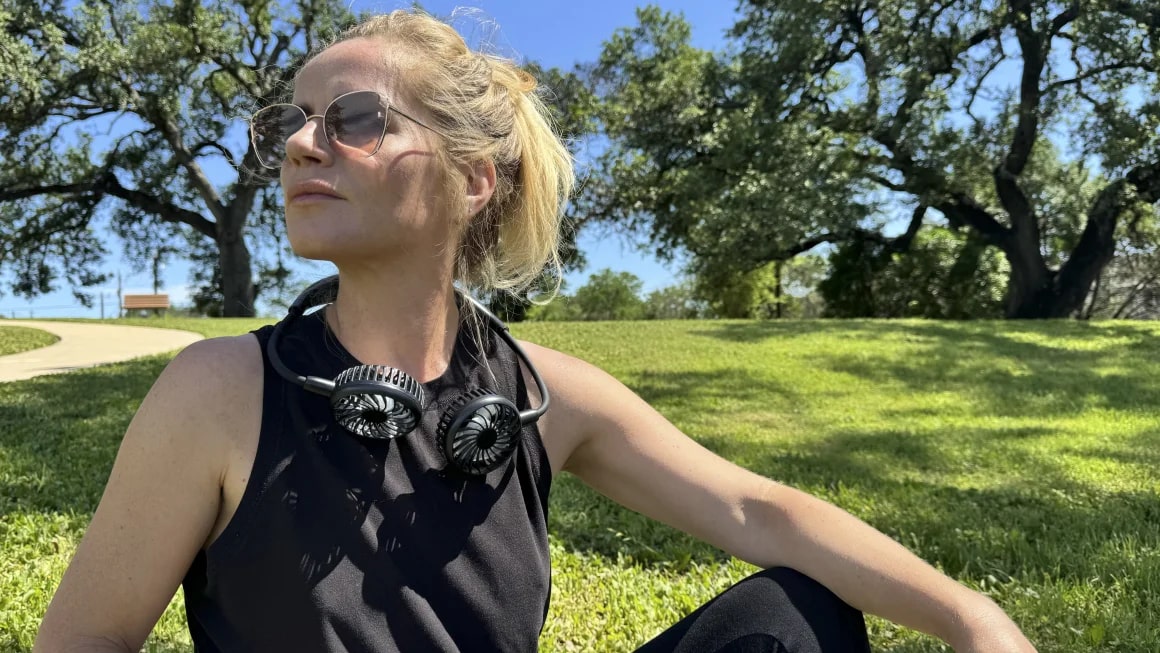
{"x": 533, "y": 439}
{"x": 265, "y": 456}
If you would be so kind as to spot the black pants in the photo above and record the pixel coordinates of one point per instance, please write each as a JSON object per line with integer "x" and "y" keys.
{"x": 774, "y": 611}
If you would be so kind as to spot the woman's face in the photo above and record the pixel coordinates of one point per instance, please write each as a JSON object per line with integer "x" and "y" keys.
{"x": 388, "y": 205}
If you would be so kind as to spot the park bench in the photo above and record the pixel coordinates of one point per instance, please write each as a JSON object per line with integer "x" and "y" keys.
{"x": 144, "y": 302}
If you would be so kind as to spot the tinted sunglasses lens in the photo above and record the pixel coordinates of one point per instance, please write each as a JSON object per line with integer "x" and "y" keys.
{"x": 270, "y": 129}
{"x": 357, "y": 120}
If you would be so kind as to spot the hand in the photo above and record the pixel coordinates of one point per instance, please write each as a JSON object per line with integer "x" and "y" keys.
{"x": 987, "y": 629}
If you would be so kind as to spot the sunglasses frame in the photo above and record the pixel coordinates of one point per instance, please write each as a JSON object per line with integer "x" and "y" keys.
{"x": 383, "y": 102}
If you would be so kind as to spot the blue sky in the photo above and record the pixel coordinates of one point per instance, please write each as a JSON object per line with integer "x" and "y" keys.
{"x": 553, "y": 33}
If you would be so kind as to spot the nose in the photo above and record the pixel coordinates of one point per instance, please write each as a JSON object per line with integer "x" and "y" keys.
{"x": 309, "y": 142}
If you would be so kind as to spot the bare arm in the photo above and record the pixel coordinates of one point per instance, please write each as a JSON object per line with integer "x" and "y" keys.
{"x": 628, "y": 451}
{"x": 160, "y": 503}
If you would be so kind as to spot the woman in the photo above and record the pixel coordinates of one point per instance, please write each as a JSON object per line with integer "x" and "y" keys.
{"x": 326, "y": 486}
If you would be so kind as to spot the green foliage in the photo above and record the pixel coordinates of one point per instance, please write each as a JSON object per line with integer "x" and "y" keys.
{"x": 676, "y": 302}
{"x": 170, "y": 86}
{"x": 610, "y": 295}
{"x": 821, "y": 117}
{"x": 775, "y": 290}
{"x": 696, "y": 164}
{"x": 746, "y": 295}
{"x": 14, "y": 339}
{"x": 1018, "y": 458}
{"x": 946, "y": 274}
{"x": 607, "y": 295}
{"x": 560, "y": 309}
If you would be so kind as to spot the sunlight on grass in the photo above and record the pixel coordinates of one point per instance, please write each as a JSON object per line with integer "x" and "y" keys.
{"x": 14, "y": 339}
{"x": 1020, "y": 458}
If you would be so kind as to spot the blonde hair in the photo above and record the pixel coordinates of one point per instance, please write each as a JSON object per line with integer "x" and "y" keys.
{"x": 487, "y": 107}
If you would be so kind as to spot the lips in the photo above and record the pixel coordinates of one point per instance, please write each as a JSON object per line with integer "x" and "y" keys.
{"x": 312, "y": 190}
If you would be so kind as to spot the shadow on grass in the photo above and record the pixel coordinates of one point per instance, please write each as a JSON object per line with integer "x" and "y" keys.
{"x": 1032, "y": 518}
{"x": 1009, "y": 377}
{"x": 1039, "y": 523}
{"x": 1010, "y": 368}
{"x": 706, "y": 391}
{"x": 59, "y": 434}
{"x": 1137, "y": 334}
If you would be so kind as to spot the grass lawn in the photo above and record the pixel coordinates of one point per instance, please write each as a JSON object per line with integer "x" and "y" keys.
{"x": 14, "y": 339}
{"x": 1021, "y": 458}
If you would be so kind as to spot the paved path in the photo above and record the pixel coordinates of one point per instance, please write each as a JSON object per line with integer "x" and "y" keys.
{"x": 86, "y": 345}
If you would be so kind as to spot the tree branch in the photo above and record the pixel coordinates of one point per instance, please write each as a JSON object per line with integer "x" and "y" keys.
{"x": 902, "y": 243}
{"x": 1136, "y": 288}
{"x": 1062, "y": 20}
{"x": 108, "y": 184}
{"x": 169, "y": 130}
{"x": 974, "y": 93}
{"x": 196, "y": 150}
{"x": 11, "y": 195}
{"x": 166, "y": 212}
{"x": 1092, "y": 72}
{"x": 962, "y": 209}
{"x": 1146, "y": 180}
{"x": 886, "y": 183}
{"x": 1034, "y": 58}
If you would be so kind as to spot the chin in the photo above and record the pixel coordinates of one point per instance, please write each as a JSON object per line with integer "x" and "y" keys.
{"x": 335, "y": 249}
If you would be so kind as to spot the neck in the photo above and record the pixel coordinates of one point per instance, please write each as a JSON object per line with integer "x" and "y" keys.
{"x": 404, "y": 320}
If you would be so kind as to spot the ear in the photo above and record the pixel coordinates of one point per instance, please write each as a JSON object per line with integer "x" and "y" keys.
{"x": 480, "y": 178}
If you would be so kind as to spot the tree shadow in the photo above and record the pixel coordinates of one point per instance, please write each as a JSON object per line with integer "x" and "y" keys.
{"x": 1041, "y": 523}
{"x": 1038, "y": 521}
{"x": 589, "y": 523}
{"x": 754, "y": 331}
{"x": 59, "y": 434}
{"x": 1014, "y": 372}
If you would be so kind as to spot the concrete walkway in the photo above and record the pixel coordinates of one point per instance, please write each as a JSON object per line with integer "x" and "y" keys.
{"x": 86, "y": 345}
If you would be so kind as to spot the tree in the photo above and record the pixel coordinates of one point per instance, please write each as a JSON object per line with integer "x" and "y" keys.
{"x": 560, "y": 309}
{"x": 610, "y": 295}
{"x": 781, "y": 289}
{"x": 945, "y": 274}
{"x": 1129, "y": 288}
{"x": 171, "y": 85}
{"x": 676, "y": 302}
{"x": 733, "y": 295}
{"x": 825, "y": 116}
{"x": 685, "y": 162}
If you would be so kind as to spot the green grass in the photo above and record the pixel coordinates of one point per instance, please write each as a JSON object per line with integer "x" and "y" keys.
{"x": 14, "y": 339}
{"x": 1020, "y": 458}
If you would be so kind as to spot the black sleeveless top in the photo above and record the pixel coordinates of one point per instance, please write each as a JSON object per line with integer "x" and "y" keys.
{"x": 345, "y": 544}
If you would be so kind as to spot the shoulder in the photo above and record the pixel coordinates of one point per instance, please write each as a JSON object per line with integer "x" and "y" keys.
{"x": 216, "y": 367}
{"x": 581, "y": 399}
{"x": 214, "y": 383}
{"x": 569, "y": 373}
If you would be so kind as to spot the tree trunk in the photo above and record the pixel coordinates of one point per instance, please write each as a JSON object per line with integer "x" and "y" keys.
{"x": 1037, "y": 292}
{"x": 1028, "y": 287}
{"x": 236, "y": 267}
{"x": 777, "y": 288}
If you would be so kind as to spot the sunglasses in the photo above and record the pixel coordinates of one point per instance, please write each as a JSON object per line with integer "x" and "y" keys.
{"x": 352, "y": 121}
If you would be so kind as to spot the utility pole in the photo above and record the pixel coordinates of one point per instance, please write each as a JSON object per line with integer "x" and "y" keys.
{"x": 102, "y": 304}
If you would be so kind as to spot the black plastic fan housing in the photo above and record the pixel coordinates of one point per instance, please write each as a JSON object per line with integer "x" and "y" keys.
{"x": 376, "y": 401}
{"x": 480, "y": 431}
